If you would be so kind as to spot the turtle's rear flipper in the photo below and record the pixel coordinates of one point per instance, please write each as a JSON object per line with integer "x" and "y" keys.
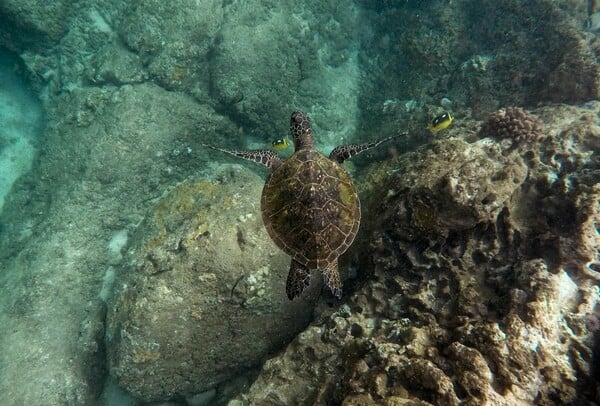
{"x": 297, "y": 280}
{"x": 331, "y": 277}
{"x": 343, "y": 152}
{"x": 264, "y": 157}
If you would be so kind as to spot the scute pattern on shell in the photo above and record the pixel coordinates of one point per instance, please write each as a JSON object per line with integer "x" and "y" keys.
{"x": 515, "y": 124}
{"x": 311, "y": 209}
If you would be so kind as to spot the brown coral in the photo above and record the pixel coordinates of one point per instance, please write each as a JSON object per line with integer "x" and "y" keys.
{"x": 515, "y": 124}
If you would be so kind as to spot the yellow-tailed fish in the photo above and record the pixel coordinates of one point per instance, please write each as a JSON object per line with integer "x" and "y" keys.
{"x": 440, "y": 122}
{"x": 280, "y": 144}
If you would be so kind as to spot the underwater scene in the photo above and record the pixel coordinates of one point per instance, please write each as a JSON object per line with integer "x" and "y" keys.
{"x": 237, "y": 203}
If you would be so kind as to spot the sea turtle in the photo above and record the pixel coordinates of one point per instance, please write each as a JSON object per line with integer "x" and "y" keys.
{"x": 309, "y": 205}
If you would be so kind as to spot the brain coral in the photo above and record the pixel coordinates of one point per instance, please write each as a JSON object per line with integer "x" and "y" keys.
{"x": 513, "y": 123}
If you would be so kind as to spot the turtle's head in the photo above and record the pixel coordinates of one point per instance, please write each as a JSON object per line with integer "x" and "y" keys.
{"x": 301, "y": 131}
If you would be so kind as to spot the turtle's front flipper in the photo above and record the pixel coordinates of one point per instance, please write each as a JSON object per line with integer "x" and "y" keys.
{"x": 343, "y": 152}
{"x": 331, "y": 277}
{"x": 297, "y": 279}
{"x": 264, "y": 157}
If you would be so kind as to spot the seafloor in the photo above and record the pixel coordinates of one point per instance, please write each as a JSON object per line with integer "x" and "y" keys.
{"x": 135, "y": 268}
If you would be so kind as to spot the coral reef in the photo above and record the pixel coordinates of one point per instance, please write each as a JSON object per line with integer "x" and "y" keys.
{"x": 485, "y": 300}
{"x": 202, "y": 291}
{"x": 514, "y": 125}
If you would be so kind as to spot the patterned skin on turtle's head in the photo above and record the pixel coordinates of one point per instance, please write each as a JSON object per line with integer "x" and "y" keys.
{"x": 301, "y": 131}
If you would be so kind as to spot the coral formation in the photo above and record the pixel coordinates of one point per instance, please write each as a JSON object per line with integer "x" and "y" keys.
{"x": 514, "y": 124}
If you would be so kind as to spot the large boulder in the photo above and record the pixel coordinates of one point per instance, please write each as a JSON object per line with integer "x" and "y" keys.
{"x": 105, "y": 154}
{"x": 201, "y": 293}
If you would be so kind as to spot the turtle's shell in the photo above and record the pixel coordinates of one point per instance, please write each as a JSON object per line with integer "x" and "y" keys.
{"x": 310, "y": 208}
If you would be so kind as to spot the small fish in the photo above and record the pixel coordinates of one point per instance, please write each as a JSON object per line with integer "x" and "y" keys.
{"x": 280, "y": 144}
{"x": 440, "y": 122}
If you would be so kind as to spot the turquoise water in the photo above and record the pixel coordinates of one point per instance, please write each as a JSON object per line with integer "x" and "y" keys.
{"x": 138, "y": 266}
{"x": 22, "y": 122}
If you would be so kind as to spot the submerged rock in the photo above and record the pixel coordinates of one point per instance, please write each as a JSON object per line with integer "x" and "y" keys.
{"x": 202, "y": 294}
{"x": 173, "y": 39}
{"x": 34, "y": 23}
{"x": 271, "y": 59}
{"x": 487, "y": 296}
{"x": 105, "y": 154}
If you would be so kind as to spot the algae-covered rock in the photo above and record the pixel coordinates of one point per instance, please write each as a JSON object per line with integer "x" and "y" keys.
{"x": 272, "y": 58}
{"x": 105, "y": 155}
{"x": 33, "y": 22}
{"x": 172, "y": 38}
{"x": 202, "y": 294}
{"x": 258, "y": 77}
